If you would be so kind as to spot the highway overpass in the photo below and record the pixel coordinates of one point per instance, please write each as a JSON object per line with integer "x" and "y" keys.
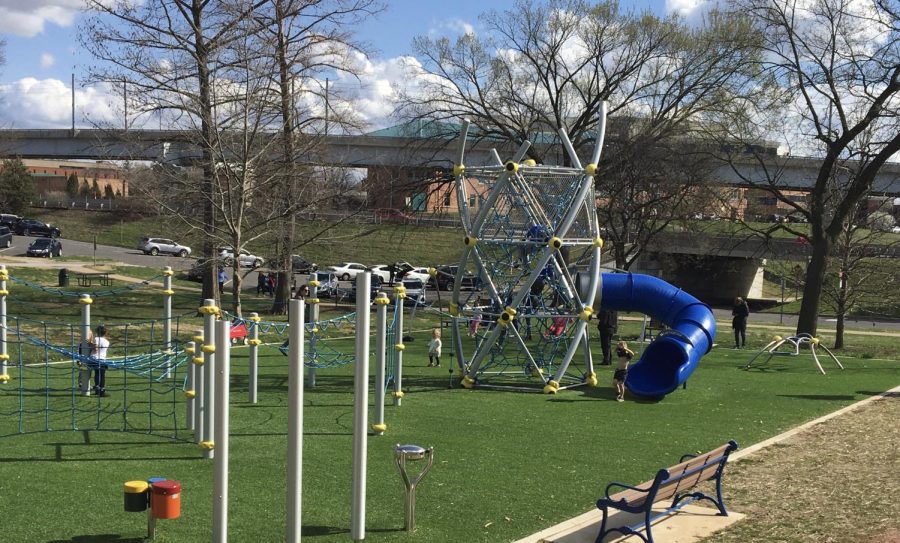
{"x": 175, "y": 146}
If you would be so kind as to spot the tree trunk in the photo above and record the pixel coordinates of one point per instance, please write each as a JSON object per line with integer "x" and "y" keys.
{"x": 808, "y": 320}
{"x": 620, "y": 254}
{"x": 841, "y": 309}
{"x": 282, "y": 293}
{"x": 285, "y": 266}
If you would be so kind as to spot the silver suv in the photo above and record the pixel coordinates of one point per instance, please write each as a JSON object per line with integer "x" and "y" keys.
{"x": 247, "y": 260}
{"x": 155, "y": 246}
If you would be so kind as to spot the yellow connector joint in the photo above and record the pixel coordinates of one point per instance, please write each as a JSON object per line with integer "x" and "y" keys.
{"x": 208, "y": 349}
{"x": 379, "y": 428}
{"x": 208, "y": 445}
{"x": 552, "y": 387}
{"x": 555, "y": 243}
{"x": 190, "y": 393}
{"x": 468, "y": 382}
{"x": 458, "y": 169}
{"x": 398, "y": 394}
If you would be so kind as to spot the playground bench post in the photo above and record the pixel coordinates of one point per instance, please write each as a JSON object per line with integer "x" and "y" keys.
{"x": 675, "y": 482}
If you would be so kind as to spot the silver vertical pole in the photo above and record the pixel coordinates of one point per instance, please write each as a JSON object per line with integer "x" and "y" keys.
{"x": 382, "y": 302}
{"x": 360, "y": 409}
{"x": 313, "y": 302}
{"x": 399, "y": 295}
{"x": 208, "y": 400}
{"x": 167, "y": 316}
{"x": 84, "y": 373}
{"x": 297, "y": 309}
{"x": 197, "y": 379}
{"x": 220, "y": 464}
{"x": 254, "y": 343}
{"x": 190, "y": 394}
{"x": 4, "y": 350}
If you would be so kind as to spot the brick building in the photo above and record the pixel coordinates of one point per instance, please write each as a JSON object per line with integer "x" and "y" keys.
{"x": 50, "y": 176}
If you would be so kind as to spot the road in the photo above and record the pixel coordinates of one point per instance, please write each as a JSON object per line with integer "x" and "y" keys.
{"x": 137, "y": 258}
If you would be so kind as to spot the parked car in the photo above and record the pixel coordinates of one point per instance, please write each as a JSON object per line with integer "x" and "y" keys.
{"x": 5, "y": 237}
{"x": 246, "y": 259}
{"x": 34, "y": 227}
{"x": 301, "y": 265}
{"x": 418, "y": 273}
{"x": 345, "y": 271}
{"x": 415, "y": 291}
{"x": 48, "y": 247}
{"x": 155, "y": 246}
{"x": 328, "y": 284}
{"x": 446, "y": 278}
{"x": 383, "y": 271}
{"x": 8, "y": 220}
{"x": 196, "y": 272}
{"x": 393, "y": 215}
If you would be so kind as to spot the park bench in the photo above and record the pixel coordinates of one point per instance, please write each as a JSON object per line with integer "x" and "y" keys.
{"x": 675, "y": 482}
{"x": 87, "y": 279}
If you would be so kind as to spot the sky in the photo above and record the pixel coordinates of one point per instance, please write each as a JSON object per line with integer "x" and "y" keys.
{"x": 42, "y": 53}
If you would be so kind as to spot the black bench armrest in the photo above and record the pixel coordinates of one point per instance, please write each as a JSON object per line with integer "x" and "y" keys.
{"x": 687, "y": 456}
{"x": 624, "y": 486}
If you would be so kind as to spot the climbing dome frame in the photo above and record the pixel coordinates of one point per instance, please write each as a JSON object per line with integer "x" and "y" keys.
{"x": 535, "y": 226}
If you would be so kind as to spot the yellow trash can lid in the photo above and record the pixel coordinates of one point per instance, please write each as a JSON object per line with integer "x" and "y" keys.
{"x": 136, "y": 487}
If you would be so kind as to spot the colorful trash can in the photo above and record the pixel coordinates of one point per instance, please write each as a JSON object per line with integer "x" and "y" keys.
{"x": 165, "y": 499}
{"x": 136, "y": 496}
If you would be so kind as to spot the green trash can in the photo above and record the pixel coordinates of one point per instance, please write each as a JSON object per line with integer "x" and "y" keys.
{"x": 64, "y": 277}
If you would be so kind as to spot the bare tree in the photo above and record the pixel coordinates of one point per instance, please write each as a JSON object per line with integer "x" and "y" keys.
{"x": 549, "y": 66}
{"x": 308, "y": 40}
{"x": 857, "y": 275}
{"x": 837, "y": 67}
{"x": 168, "y": 53}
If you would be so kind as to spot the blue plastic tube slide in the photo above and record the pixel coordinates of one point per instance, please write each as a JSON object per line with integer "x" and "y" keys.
{"x": 671, "y": 358}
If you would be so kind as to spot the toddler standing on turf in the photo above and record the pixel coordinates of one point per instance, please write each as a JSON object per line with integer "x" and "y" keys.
{"x": 434, "y": 349}
{"x": 624, "y": 355}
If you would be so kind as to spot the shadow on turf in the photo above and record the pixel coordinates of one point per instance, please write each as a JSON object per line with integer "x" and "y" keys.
{"x": 100, "y": 538}
{"x": 333, "y": 530}
{"x": 824, "y": 397}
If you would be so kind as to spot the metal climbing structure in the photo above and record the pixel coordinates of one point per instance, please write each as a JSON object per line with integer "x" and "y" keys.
{"x": 534, "y": 227}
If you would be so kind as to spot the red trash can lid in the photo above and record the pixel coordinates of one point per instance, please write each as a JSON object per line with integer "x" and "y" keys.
{"x": 166, "y": 488}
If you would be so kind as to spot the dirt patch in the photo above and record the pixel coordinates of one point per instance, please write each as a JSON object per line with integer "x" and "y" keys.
{"x": 836, "y": 482}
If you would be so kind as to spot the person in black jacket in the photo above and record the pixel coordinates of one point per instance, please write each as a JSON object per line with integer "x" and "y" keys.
{"x": 740, "y": 312}
{"x": 607, "y": 325}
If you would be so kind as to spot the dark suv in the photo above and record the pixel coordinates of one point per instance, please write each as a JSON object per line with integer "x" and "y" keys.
{"x": 5, "y": 237}
{"x": 301, "y": 265}
{"x": 34, "y": 227}
{"x": 447, "y": 276}
{"x": 9, "y": 220}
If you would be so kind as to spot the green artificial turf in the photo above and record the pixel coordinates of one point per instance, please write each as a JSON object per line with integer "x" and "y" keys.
{"x": 506, "y": 463}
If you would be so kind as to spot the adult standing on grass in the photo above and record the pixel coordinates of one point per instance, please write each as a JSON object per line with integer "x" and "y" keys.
{"x": 101, "y": 346}
{"x": 222, "y": 278}
{"x": 740, "y": 312}
{"x": 607, "y": 325}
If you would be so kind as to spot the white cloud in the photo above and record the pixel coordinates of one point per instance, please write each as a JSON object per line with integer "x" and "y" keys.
{"x": 47, "y": 60}
{"x": 454, "y": 25}
{"x": 686, "y": 8}
{"x": 47, "y": 103}
{"x": 28, "y": 18}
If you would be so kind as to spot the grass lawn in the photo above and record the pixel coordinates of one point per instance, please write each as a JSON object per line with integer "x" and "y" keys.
{"x": 327, "y": 244}
{"x": 506, "y": 464}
